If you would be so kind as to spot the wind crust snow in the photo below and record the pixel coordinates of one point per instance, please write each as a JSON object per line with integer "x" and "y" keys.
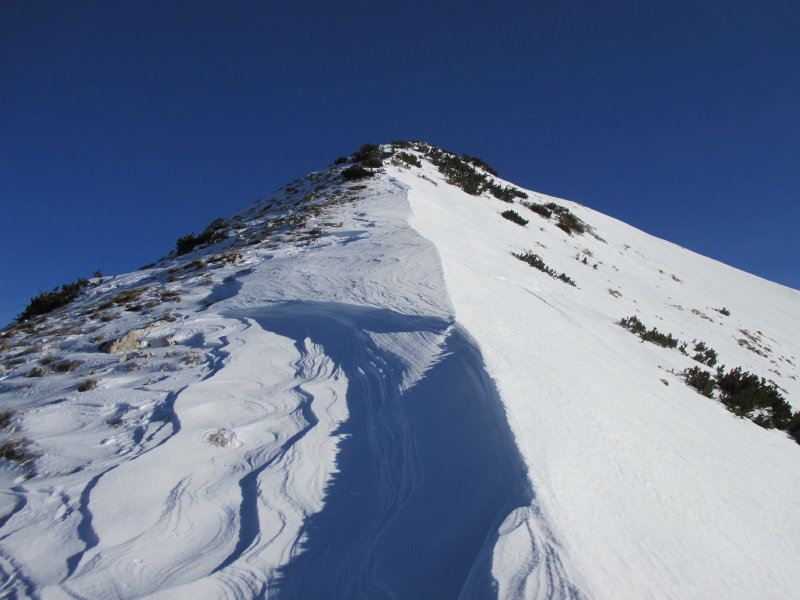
{"x": 352, "y": 389}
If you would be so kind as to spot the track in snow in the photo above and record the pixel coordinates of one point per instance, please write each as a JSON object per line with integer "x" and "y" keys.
{"x": 425, "y": 477}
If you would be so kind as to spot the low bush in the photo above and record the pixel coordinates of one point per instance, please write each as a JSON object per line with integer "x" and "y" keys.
{"x": 356, "y": 172}
{"x": 701, "y": 380}
{"x": 474, "y": 160}
{"x": 408, "y": 159}
{"x": 457, "y": 171}
{"x": 128, "y": 296}
{"x": 86, "y": 385}
{"x": 514, "y": 217}
{"x": 539, "y": 209}
{"x": 634, "y": 325}
{"x": 47, "y": 302}
{"x": 743, "y": 393}
{"x": 704, "y": 354}
{"x": 17, "y": 451}
{"x": 66, "y": 366}
{"x": 214, "y": 233}
{"x": 6, "y": 418}
{"x": 369, "y": 155}
{"x": 535, "y": 261}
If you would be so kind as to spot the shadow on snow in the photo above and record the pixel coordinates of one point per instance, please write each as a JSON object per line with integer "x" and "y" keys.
{"x": 424, "y": 477}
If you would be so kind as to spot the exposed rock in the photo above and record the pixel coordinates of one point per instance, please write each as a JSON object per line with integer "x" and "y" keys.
{"x": 133, "y": 340}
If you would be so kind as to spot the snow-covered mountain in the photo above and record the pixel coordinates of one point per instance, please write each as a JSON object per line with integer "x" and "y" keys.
{"x": 373, "y": 384}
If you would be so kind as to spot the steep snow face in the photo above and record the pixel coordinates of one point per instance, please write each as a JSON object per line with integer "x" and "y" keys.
{"x": 362, "y": 393}
{"x": 309, "y": 421}
{"x": 653, "y": 490}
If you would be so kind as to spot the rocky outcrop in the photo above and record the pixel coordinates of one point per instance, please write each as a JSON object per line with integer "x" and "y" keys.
{"x": 133, "y": 340}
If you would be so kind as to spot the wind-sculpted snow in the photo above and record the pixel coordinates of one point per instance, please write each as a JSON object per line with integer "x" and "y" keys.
{"x": 329, "y": 405}
{"x": 424, "y": 477}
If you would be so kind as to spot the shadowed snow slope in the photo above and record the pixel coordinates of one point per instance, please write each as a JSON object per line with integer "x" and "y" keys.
{"x": 357, "y": 391}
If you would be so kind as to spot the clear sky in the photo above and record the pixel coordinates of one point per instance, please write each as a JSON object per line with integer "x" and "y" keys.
{"x": 125, "y": 125}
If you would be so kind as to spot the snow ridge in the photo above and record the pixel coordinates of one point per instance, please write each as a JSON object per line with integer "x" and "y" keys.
{"x": 356, "y": 391}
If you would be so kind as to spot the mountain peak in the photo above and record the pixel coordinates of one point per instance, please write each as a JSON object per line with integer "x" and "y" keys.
{"x": 403, "y": 376}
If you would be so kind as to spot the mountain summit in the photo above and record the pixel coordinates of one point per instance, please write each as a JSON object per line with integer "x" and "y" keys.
{"x": 404, "y": 377}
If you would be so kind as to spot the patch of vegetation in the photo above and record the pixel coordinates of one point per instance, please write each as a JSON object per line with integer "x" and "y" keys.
{"x": 474, "y": 160}
{"x": 356, "y": 172}
{"x": 408, "y": 158}
{"x": 506, "y": 194}
{"x": 701, "y": 380}
{"x": 535, "y": 261}
{"x": 458, "y": 171}
{"x": 723, "y": 311}
{"x": 566, "y": 220}
{"x": 39, "y": 372}
{"x": 341, "y": 160}
{"x": 66, "y": 366}
{"x": 86, "y": 385}
{"x": 704, "y": 354}
{"x": 6, "y": 418}
{"x": 743, "y": 393}
{"x": 47, "y": 302}
{"x": 17, "y": 451}
{"x": 369, "y": 155}
{"x": 514, "y": 217}
{"x": 653, "y": 335}
{"x": 128, "y": 296}
{"x": 539, "y": 209}
{"x": 213, "y": 234}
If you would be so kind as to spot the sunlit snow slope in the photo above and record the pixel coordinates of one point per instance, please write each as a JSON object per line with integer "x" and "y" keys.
{"x": 355, "y": 390}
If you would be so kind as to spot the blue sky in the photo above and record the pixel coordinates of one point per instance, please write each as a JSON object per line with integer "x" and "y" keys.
{"x": 128, "y": 124}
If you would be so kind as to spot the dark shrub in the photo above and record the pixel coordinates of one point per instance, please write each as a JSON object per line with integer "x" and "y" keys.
{"x": 86, "y": 385}
{"x": 662, "y": 339}
{"x": 570, "y": 223}
{"x": 701, "y": 381}
{"x": 47, "y": 302}
{"x": 402, "y": 144}
{"x": 793, "y": 426}
{"x": 356, "y": 172}
{"x": 409, "y": 159}
{"x": 535, "y": 261}
{"x": 6, "y": 418}
{"x": 514, "y": 217}
{"x": 340, "y": 161}
{"x": 506, "y": 194}
{"x": 66, "y": 366}
{"x": 457, "y": 171}
{"x": 633, "y": 324}
{"x": 566, "y": 279}
{"x": 369, "y": 155}
{"x": 742, "y": 393}
{"x": 214, "y": 233}
{"x": 539, "y": 209}
{"x": 704, "y": 354}
{"x": 473, "y": 160}
{"x": 17, "y": 451}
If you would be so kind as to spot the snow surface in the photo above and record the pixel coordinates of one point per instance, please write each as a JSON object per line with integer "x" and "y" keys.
{"x": 398, "y": 408}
